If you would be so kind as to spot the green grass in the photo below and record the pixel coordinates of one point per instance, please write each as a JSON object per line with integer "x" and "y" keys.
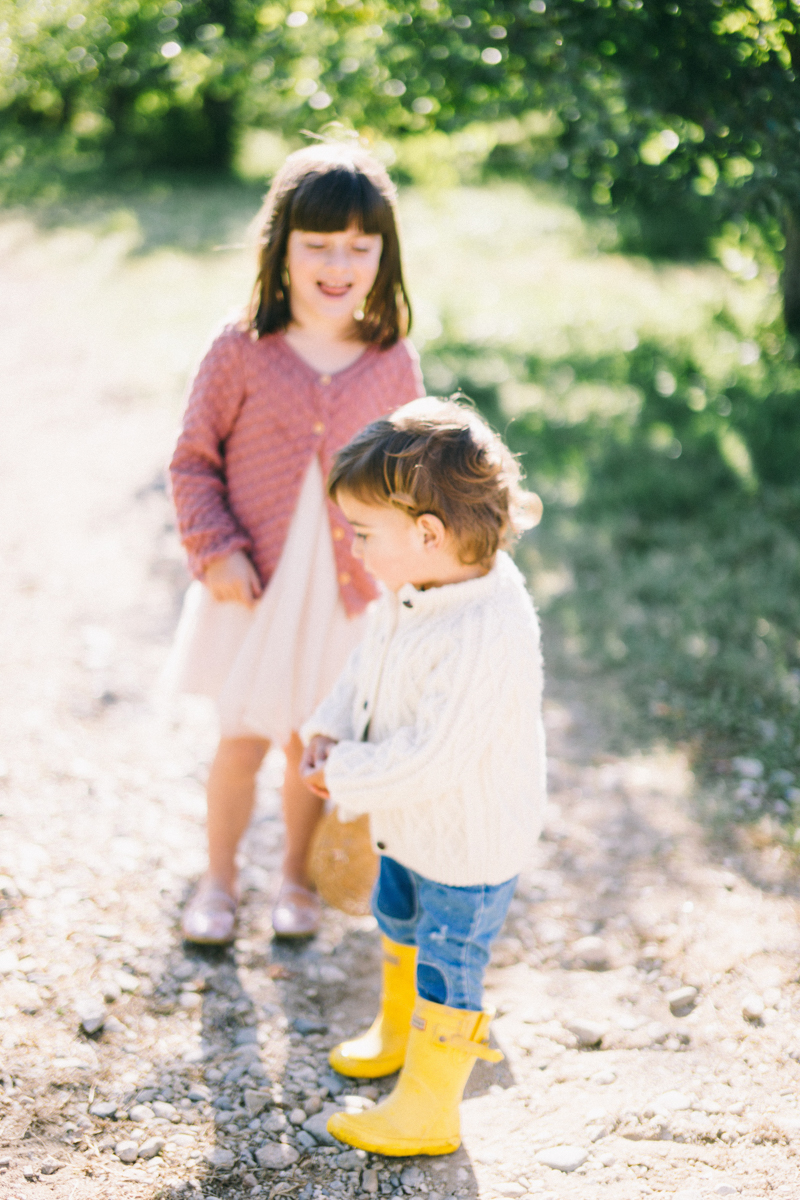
{"x": 654, "y": 407}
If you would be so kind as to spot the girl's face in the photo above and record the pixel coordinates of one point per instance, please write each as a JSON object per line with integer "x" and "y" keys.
{"x": 331, "y": 274}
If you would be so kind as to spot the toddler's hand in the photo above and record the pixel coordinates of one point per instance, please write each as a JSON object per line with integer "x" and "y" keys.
{"x": 313, "y": 762}
{"x": 233, "y": 578}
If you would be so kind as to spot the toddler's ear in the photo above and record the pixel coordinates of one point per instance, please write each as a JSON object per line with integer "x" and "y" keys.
{"x": 535, "y": 509}
{"x": 431, "y": 527}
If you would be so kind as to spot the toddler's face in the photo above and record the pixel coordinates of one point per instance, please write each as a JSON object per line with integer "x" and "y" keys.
{"x": 394, "y": 547}
{"x": 331, "y": 274}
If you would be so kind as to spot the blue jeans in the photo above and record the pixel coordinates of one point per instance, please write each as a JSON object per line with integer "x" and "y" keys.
{"x": 452, "y": 927}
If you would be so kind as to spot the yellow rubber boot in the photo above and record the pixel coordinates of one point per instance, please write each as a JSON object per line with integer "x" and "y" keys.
{"x": 421, "y": 1116}
{"x": 382, "y": 1049}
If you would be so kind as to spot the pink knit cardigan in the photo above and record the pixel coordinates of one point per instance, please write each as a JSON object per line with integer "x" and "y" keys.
{"x": 256, "y": 415}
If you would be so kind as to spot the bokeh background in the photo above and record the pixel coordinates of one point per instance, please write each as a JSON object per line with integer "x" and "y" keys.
{"x": 600, "y": 207}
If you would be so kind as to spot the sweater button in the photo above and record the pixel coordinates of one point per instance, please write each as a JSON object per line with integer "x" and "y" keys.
{"x": 318, "y": 427}
{"x": 324, "y": 378}
{"x": 381, "y": 845}
{"x": 338, "y": 534}
{"x": 344, "y": 577}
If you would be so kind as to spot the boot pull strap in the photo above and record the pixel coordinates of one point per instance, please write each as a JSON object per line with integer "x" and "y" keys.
{"x": 476, "y": 1049}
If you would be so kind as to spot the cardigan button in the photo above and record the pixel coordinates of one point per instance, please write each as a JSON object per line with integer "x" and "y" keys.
{"x": 338, "y": 534}
{"x": 318, "y": 427}
{"x": 381, "y": 845}
{"x": 344, "y": 577}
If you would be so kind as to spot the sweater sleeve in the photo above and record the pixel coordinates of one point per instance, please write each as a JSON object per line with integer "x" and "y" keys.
{"x": 417, "y": 759}
{"x": 207, "y": 527}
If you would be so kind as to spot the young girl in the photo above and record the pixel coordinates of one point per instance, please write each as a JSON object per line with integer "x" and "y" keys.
{"x": 276, "y": 612}
{"x": 435, "y": 730}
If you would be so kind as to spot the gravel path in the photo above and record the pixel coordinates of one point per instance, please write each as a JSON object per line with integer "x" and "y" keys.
{"x": 646, "y": 985}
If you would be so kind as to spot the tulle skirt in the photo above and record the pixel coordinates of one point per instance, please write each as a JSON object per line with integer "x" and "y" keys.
{"x": 268, "y": 667}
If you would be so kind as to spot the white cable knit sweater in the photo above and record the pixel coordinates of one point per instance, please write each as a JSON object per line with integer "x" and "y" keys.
{"x": 447, "y": 683}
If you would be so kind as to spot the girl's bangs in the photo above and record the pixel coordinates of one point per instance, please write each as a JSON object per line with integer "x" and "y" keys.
{"x": 332, "y": 201}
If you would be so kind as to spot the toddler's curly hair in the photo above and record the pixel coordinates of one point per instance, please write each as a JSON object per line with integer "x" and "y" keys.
{"x": 438, "y": 456}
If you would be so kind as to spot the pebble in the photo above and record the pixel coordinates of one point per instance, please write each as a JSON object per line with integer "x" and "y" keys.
{"x": 113, "y": 1025}
{"x": 682, "y": 1001}
{"x": 369, "y": 1181}
{"x": 306, "y": 1140}
{"x": 274, "y": 1155}
{"x": 563, "y": 1158}
{"x": 753, "y": 1007}
{"x": 350, "y": 1160}
{"x": 168, "y": 1111}
{"x": 317, "y": 1125}
{"x": 254, "y": 1101}
{"x": 725, "y": 1189}
{"x": 221, "y": 1158}
{"x": 592, "y": 953}
{"x": 588, "y": 1033}
{"x": 297, "y": 1116}
{"x": 673, "y": 1101}
{"x": 126, "y": 1152}
{"x": 275, "y": 1122}
{"x": 103, "y": 1108}
{"x": 304, "y": 1026}
{"x": 91, "y": 1014}
{"x": 510, "y": 1189}
{"x": 151, "y": 1147}
{"x": 141, "y": 1112}
{"x": 126, "y": 982}
{"x": 412, "y": 1177}
{"x": 50, "y": 1166}
{"x": 603, "y": 1077}
{"x": 312, "y": 1105}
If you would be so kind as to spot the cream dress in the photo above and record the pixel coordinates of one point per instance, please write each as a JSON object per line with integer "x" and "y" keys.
{"x": 268, "y": 667}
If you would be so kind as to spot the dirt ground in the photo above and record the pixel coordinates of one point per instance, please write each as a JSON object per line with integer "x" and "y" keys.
{"x": 204, "y": 1059}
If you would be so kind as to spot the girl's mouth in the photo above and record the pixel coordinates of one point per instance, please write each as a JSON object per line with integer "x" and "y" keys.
{"x": 334, "y": 290}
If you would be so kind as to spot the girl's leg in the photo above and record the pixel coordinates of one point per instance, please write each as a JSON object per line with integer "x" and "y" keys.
{"x": 209, "y": 917}
{"x": 231, "y": 794}
{"x": 301, "y": 812}
{"x": 297, "y": 908}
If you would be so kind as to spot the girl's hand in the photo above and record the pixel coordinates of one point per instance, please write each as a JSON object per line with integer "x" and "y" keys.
{"x": 313, "y": 762}
{"x": 233, "y": 578}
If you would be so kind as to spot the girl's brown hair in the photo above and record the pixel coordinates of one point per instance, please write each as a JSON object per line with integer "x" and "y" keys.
{"x": 326, "y": 188}
{"x": 438, "y": 456}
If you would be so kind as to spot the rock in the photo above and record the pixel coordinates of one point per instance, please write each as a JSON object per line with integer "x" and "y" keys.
{"x": 247, "y": 1037}
{"x": 369, "y": 1181}
{"x": 29, "y": 1171}
{"x": 254, "y": 1101}
{"x": 412, "y": 1177}
{"x": 305, "y": 1026}
{"x": 317, "y": 1125}
{"x": 190, "y": 1000}
{"x": 91, "y": 1014}
{"x": 275, "y": 1122}
{"x": 103, "y": 1108}
{"x": 603, "y": 1078}
{"x": 350, "y": 1160}
{"x": 275, "y": 1155}
{"x": 673, "y": 1102}
{"x": 141, "y": 1112}
{"x": 725, "y": 1189}
{"x": 510, "y": 1189}
{"x": 126, "y": 982}
{"x": 113, "y": 1025}
{"x": 111, "y": 991}
{"x": 306, "y": 1140}
{"x": 682, "y": 1001}
{"x": 753, "y": 1007}
{"x": 297, "y": 1116}
{"x": 588, "y": 1033}
{"x": 126, "y": 1152}
{"x": 563, "y": 1158}
{"x": 199, "y": 1091}
{"x": 168, "y": 1111}
{"x": 50, "y": 1166}
{"x": 151, "y": 1147}
{"x": 592, "y": 953}
{"x": 312, "y": 1104}
{"x": 328, "y": 973}
{"x": 221, "y": 1159}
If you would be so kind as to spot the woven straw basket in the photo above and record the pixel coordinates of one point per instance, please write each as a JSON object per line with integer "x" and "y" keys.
{"x": 343, "y": 864}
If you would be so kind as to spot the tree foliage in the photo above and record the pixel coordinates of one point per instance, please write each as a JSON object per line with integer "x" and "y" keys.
{"x": 639, "y": 100}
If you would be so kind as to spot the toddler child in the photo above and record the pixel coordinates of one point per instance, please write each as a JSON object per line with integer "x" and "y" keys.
{"x": 435, "y": 730}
